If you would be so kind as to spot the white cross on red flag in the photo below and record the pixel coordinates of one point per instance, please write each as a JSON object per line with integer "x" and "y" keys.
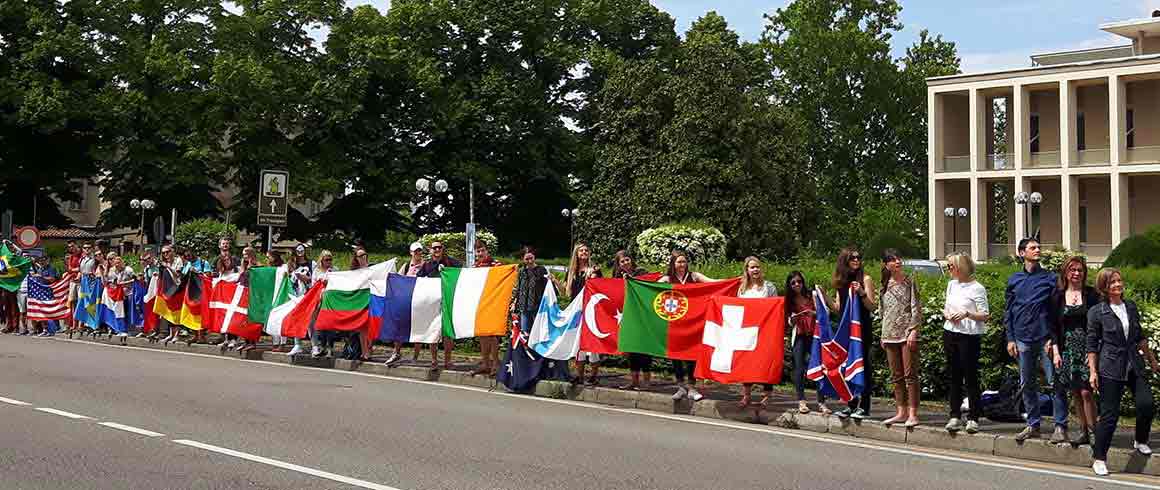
{"x": 743, "y": 341}
{"x": 228, "y": 307}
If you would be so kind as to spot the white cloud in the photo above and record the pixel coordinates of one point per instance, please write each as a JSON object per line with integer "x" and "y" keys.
{"x": 1019, "y": 58}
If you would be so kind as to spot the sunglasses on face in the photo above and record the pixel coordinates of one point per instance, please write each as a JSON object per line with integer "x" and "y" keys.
{"x": 855, "y": 257}
{"x": 437, "y": 247}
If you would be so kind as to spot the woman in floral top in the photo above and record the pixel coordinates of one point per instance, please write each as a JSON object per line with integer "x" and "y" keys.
{"x": 901, "y": 318}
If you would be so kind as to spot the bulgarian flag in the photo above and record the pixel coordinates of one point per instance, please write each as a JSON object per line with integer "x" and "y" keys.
{"x": 346, "y": 299}
{"x": 476, "y": 300}
{"x": 668, "y": 320}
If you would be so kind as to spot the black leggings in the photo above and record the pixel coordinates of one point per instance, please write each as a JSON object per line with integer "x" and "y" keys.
{"x": 684, "y": 370}
{"x": 802, "y": 344}
{"x": 1110, "y": 393}
{"x": 640, "y": 363}
{"x": 962, "y": 351}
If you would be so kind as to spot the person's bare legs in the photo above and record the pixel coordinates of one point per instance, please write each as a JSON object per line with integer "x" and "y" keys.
{"x": 448, "y": 346}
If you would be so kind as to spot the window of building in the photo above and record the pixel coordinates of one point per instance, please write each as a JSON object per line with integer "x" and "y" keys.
{"x": 1130, "y": 124}
{"x": 79, "y": 205}
{"x": 1079, "y": 132}
{"x": 1034, "y": 133}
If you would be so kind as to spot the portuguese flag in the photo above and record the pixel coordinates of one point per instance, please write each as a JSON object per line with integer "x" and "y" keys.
{"x": 668, "y": 320}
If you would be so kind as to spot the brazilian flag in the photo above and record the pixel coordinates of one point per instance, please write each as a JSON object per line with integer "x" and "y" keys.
{"x": 13, "y": 268}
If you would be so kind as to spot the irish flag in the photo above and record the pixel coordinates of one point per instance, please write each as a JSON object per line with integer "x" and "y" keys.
{"x": 475, "y": 301}
{"x": 668, "y": 320}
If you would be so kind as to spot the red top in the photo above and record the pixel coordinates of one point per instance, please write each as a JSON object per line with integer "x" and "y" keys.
{"x": 804, "y": 324}
{"x": 73, "y": 262}
{"x": 488, "y": 263}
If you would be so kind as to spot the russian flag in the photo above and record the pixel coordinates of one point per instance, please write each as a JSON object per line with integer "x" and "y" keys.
{"x": 412, "y": 310}
{"x": 112, "y": 308}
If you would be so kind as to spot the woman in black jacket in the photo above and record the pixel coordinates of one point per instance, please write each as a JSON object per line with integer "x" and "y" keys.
{"x": 1116, "y": 349}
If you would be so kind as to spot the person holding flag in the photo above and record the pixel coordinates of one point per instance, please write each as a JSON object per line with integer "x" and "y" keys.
{"x": 488, "y": 345}
{"x": 72, "y": 265}
{"x": 802, "y": 319}
{"x": 434, "y": 268}
{"x": 43, "y": 272}
{"x": 638, "y": 364}
{"x": 679, "y": 273}
{"x": 754, "y": 285}
{"x": 172, "y": 265}
{"x": 851, "y": 280}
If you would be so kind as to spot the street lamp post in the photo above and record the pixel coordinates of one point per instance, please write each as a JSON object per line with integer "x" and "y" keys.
{"x": 571, "y": 214}
{"x": 1027, "y": 201}
{"x": 143, "y": 205}
{"x": 1035, "y": 199}
{"x": 423, "y": 186}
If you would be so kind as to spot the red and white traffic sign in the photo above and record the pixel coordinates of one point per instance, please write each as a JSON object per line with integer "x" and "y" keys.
{"x": 26, "y": 237}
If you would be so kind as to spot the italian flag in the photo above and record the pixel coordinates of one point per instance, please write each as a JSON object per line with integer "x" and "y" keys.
{"x": 668, "y": 320}
{"x": 475, "y": 301}
{"x": 269, "y": 288}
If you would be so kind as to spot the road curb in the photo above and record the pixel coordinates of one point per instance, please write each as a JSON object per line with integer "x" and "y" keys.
{"x": 1120, "y": 460}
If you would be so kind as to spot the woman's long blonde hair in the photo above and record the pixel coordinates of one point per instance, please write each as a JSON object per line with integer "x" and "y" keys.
{"x": 574, "y": 266}
{"x": 746, "y": 282}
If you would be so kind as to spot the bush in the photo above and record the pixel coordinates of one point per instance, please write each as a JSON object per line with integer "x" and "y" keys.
{"x": 891, "y": 239}
{"x": 1136, "y": 251}
{"x": 1052, "y": 260}
{"x": 454, "y": 243}
{"x": 201, "y": 236}
{"x": 398, "y": 242}
{"x": 702, "y": 242}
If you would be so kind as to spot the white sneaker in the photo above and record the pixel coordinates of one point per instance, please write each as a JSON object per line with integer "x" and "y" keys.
{"x": 315, "y": 351}
{"x": 972, "y": 427}
{"x": 681, "y": 393}
{"x": 393, "y": 359}
{"x": 954, "y": 425}
{"x": 1100, "y": 467}
{"x": 1142, "y": 448}
{"x": 695, "y": 395}
{"x": 232, "y": 344}
{"x": 295, "y": 351}
{"x": 122, "y": 334}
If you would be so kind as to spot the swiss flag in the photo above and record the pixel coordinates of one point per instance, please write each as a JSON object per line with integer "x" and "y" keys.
{"x": 228, "y": 308}
{"x": 743, "y": 341}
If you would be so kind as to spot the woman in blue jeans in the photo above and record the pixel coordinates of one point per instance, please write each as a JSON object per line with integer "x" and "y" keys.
{"x": 530, "y": 284}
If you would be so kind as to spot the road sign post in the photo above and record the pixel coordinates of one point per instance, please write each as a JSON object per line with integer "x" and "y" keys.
{"x": 273, "y": 201}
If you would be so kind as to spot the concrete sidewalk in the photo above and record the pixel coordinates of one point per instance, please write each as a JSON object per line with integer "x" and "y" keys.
{"x": 722, "y": 402}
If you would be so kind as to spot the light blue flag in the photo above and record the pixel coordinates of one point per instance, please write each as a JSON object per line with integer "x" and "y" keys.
{"x": 88, "y": 300}
{"x": 555, "y": 333}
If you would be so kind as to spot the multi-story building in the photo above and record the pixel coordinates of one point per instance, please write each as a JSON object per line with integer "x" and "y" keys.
{"x": 1077, "y": 131}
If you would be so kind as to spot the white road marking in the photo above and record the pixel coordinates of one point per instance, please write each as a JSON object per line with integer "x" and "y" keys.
{"x": 14, "y": 402}
{"x": 690, "y": 419}
{"x": 129, "y": 428}
{"x": 286, "y": 466}
{"x": 62, "y": 413}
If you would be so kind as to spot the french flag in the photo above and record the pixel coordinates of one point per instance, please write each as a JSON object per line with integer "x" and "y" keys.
{"x": 411, "y": 310}
{"x": 111, "y": 311}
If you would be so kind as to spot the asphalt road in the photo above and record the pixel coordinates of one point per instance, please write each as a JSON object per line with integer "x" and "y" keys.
{"x": 205, "y": 422}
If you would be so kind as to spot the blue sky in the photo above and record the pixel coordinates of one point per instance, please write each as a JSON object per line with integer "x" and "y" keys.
{"x": 990, "y": 34}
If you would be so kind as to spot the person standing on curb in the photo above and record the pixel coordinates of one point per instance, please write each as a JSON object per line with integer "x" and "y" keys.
{"x": 754, "y": 285}
{"x": 901, "y": 320}
{"x": 679, "y": 273}
{"x": 851, "y": 279}
{"x": 637, "y": 363}
{"x": 489, "y": 345}
{"x": 1115, "y": 341}
{"x": 966, "y": 312}
{"x": 434, "y": 268}
{"x": 1072, "y": 300}
{"x": 1029, "y": 319}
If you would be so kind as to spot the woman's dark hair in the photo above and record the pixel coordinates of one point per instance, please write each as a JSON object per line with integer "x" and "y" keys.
{"x": 790, "y": 295}
{"x": 672, "y": 271}
{"x": 527, "y": 249}
{"x": 888, "y": 256}
{"x": 843, "y": 274}
{"x": 277, "y": 256}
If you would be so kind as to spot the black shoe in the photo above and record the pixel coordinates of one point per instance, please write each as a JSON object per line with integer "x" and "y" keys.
{"x": 843, "y": 413}
{"x": 859, "y": 414}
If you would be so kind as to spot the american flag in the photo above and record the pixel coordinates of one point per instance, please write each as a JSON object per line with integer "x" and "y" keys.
{"x": 48, "y": 301}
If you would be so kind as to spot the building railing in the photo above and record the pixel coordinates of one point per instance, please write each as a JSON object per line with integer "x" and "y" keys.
{"x": 957, "y": 163}
{"x": 999, "y": 250}
{"x": 1099, "y": 250}
{"x": 1044, "y": 159}
{"x": 960, "y": 247}
{"x": 1094, "y": 157}
{"x": 1143, "y": 154}
{"x": 1000, "y": 161}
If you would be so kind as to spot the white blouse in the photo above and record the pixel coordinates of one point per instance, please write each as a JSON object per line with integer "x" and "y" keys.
{"x": 970, "y": 297}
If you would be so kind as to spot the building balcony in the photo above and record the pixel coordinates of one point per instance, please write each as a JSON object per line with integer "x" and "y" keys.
{"x": 958, "y": 163}
{"x": 1000, "y": 161}
{"x": 1094, "y": 157}
{"x": 1142, "y": 154}
{"x": 1044, "y": 159}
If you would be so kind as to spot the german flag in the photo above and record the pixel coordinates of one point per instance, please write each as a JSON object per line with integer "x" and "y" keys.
{"x": 170, "y": 296}
{"x": 196, "y": 286}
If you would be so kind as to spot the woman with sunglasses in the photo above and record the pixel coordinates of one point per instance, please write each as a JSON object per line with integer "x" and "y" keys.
{"x": 851, "y": 280}
{"x": 359, "y": 342}
{"x": 802, "y": 319}
{"x": 322, "y": 342}
{"x": 434, "y": 268}
{"x": 901, "y": 320}
{"x": 637, "y": 363}
{"x": 679, "y": 273}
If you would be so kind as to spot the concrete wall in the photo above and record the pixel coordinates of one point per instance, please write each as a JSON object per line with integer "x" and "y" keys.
{"x": 956, "y": 127}
{"x": 1150, "y": 45}
{"x": 89, "y": 211}
{"x": 1144, "y": 202}
{"x": 1046, "y": 104}
{"x": 1095, "y": 194}
{"x": 1144, "y": 100}
{"x": 1093, "y": 102}
{"x": 1050, "y": 216}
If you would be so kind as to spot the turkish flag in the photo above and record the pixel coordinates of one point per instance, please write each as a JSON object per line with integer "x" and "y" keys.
{"x": 744, "y": 340}
{"x": 600, "y": 325}
{"x": 228, "y": 311}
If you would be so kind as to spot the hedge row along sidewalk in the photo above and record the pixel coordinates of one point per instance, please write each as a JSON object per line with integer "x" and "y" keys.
{"x": 996, "y": 438}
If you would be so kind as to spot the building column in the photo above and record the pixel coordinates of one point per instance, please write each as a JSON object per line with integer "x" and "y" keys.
{"x": 1069, "y": 208}
{"x": 978, "y": 219}
{"x": 937, "y": 222}
{"x": 1117, "y": 119}
{"x": 1067, "y": 135}
{"x": 1121, "y": 208}
{"x": 1022, "y": 118}
{"x": 978, "y": 109}
{"x": 1021, "y": 185}
{"x": 934, "y": 134}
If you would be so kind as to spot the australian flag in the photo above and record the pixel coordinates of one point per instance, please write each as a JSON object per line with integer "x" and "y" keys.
{"x": 522, "y": 367}
{"x": 836, "y": 360}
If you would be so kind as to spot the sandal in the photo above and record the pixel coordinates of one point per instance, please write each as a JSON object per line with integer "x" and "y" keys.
{"x": 802, "y": 407}
{"x": 824, "y": 409}
{"x": 745, "y": 400}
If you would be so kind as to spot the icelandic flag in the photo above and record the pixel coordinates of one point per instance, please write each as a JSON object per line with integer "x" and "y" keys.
{"x": 836, "y": 361}
{"x": 135, "y": 304}
{"x": 411, "y": 310}
{"x": 112, "y": 308}
{"x": 88, "y": 299}
{"x": 555, "y": 333}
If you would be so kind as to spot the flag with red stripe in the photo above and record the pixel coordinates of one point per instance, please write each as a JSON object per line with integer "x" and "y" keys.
{"x": 48, "y": 301}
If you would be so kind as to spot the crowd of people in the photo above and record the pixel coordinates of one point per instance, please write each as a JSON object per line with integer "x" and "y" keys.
{"x": 1086, "y": 338}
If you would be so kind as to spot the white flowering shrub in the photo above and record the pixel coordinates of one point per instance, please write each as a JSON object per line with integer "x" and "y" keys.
{"x": 454, "y": 243}
{"x": 703, "y": 243}
{"x": 1052, "y": 260}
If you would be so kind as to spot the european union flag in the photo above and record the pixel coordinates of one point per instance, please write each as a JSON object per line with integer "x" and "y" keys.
{"x": 88, "y": 299}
